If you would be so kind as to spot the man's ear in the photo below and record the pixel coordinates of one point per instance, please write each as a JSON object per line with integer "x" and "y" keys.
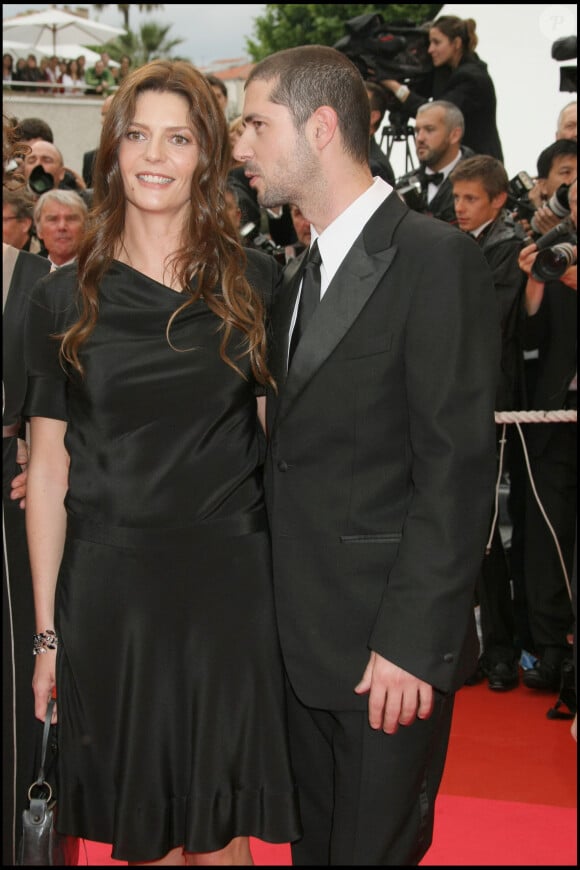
{"x": 499, "y": 201}
{"x": 456, "y": 135}
{"x": 322, "y": 126}
{"x": 375, "y": 119}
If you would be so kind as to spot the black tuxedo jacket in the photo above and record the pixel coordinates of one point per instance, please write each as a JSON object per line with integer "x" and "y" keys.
{"x": 88, "y": 165}
{"x": 381, "y": 459}
{"x": 28, "y": 269}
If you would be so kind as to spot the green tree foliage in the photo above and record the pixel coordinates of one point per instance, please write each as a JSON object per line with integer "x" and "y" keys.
{"x": 285, "y": 25}
{"x": 150, "y": 42}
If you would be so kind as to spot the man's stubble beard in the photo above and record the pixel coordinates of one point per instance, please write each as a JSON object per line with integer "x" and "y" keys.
{"x": 296, "y": 179}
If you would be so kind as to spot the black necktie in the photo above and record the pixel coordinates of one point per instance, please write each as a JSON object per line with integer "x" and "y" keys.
{"x": 433, "y": 178}
{"x": 309, "y": 297}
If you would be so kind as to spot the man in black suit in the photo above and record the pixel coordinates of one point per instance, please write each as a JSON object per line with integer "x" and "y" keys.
{"x": 480, "y": 191}
{"x": 439, "y": 129}
{"x": 380, "y": 467}
{"x": 551, "y": 327}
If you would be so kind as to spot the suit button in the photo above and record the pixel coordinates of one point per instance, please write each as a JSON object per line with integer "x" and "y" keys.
{"x": 282, "y": 465}
{"x": 448, "y": 658}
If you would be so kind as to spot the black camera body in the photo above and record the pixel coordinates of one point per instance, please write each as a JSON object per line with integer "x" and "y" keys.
{"x": 265, "y": 243}
{"x": 381, "y": 51}
{"x": 518, "y": 200}
{"x": 40, "y": 181}
{"x": 408, "y": 187}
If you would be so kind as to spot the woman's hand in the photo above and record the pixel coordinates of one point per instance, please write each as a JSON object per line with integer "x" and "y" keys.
{"x": 44, "y": 683}
{"x": 18, "y": 485}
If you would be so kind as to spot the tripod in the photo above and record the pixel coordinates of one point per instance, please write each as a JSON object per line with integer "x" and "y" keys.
{"x": 398, "y": 131}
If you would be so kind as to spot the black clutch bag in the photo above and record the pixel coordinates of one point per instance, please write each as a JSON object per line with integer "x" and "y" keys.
{"x": 41, "y": 845}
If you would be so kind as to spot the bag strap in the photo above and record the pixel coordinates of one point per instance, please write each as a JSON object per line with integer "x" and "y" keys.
{"x": 45, "y": 735}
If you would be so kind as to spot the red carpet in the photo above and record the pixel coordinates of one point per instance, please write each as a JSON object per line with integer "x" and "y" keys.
{"x": 509, "y": 792}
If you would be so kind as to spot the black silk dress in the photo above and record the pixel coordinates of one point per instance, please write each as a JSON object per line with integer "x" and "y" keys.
{"x": 172, "y": 726}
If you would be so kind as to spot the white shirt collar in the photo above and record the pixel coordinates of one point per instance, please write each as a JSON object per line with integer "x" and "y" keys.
{"x": 338, "y": 238}
{"x": 478, "y": 231}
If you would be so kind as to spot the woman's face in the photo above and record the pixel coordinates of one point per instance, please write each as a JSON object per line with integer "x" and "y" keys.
{"x": 442, "y": 49}
{"x": 158, "y": 155}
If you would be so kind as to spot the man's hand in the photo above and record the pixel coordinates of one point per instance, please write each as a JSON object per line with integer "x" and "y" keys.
{"x": 544, "y": 219}
{"x": 396, "y": 697}
{"x": 526, "y": 258}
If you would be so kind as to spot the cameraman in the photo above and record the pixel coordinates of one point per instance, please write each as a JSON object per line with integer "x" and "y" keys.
{"x": 460, "y": 77}
{"x": 378, "y": 101}
{"x": 550, "y": 326}
{"x": 44, "y": 168}
{"x": 557, "y": 165}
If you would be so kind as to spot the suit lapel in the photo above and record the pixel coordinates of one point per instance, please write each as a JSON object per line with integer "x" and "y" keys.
{"x": 357, "y": 278}
{"x": 345, "y": 298}
{"x": 285, "y": 301}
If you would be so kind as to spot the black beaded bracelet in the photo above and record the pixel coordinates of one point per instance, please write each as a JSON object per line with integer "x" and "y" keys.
{"x": 44, "y": 641}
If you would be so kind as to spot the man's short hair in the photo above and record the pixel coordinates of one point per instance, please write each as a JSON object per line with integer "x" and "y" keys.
{"x": 65, "y": 197}
{"x": 378, "y": 98}
{"x": 21, "y": 201}
{"x": 482, "y": 167}
{"x": 556, "y": 149}
{"x": 217, "y": 83}
{"x": 34, "y": 128}
{"x": 453, "y": 114}
{"x": 309, "y": 76}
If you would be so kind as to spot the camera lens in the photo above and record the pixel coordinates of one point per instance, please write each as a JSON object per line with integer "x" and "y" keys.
{"x": 40, "y": 181}
{"x": 551, "y": 263}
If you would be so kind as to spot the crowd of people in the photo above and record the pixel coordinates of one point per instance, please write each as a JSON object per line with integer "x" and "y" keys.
{"x": 66, "y": 76}
{"x": 258, "y": 376}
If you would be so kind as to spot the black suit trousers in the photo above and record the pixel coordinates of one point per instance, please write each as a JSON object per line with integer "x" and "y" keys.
{"x": 555, "y": 471}
{"x": 369, "y": 775}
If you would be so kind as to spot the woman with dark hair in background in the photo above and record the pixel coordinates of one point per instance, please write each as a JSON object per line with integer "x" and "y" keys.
{"x": 146, "y": 522}
{"x": 460, "y": 77}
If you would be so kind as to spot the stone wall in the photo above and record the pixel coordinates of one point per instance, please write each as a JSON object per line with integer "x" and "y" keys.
{"x": 75, "y": 121}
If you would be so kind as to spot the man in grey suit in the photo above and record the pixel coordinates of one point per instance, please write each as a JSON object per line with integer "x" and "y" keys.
{"x": 380, "y": 467}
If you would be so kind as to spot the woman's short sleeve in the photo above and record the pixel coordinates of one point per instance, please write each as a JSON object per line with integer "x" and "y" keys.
{"x": 50, "y": 312}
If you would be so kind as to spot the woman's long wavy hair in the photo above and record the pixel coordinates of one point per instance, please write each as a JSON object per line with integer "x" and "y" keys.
{"x": 210, "y": 264}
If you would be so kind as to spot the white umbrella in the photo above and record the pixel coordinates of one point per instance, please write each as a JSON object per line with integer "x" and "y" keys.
{"x": 54, "y": 27}
{"x": 66, "y": 50}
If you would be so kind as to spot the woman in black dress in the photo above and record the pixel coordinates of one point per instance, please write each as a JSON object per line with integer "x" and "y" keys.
{"x": 461, "y": 78}
{"x": 145, "y": 516}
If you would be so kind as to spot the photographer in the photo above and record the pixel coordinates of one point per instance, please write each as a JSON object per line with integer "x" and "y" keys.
{"x": 380, "y": 163}
{"x": 44, "y": 168}
{"x": 460, "y": 77}
{"x": 557, "y": 166}
{"x": 550, "y": 326}
{"x": 567, "y": 123}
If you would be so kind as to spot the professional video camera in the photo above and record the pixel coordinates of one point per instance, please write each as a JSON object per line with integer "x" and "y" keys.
{"x": 388, "y": 51}
{"x": 566, "y": 48}
{"x": 554, "y": 259}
